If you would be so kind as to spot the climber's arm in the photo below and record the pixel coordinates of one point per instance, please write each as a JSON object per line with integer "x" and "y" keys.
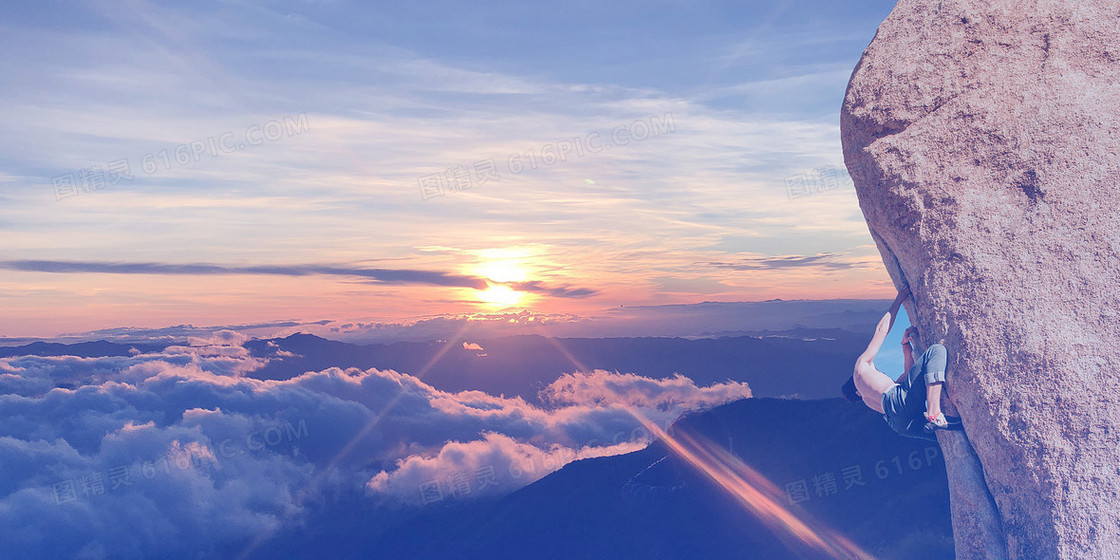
{"x": 908, "y": 351}
{"x": 884, "y": 327}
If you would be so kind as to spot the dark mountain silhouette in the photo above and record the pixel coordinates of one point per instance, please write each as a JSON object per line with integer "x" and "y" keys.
{"x": 96, "y": 349}
{"x": 649, "y": 504}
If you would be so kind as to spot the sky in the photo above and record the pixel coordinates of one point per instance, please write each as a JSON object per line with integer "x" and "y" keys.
{"x": 241, "y": 162}
{"x": 208, "y": 172}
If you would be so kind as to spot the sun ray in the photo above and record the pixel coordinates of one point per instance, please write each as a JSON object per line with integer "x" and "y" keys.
{"x": 753, "y": 492}
{"x": 312, "y": 489}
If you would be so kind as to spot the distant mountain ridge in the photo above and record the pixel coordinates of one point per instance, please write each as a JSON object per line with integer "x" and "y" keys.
{"x": 522, "y": 365}
{"x": 95, "y": 349}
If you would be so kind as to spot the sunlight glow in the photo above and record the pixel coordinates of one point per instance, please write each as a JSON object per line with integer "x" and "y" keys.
{"x": 500, "y": 267}
{"x": 499, "y": 296}
{"x": 502, "y": 271}
{"x": 503, "y": 265}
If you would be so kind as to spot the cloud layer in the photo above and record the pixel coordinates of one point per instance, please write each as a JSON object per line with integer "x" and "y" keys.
{"x": 154, "y": 455}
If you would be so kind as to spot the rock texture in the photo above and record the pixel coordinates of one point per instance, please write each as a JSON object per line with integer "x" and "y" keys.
{"x": 984, "y": 141}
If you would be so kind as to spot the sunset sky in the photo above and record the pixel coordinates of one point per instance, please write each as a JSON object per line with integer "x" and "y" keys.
{"x": 305, "y": 161}
{"x": 194, "y": 195}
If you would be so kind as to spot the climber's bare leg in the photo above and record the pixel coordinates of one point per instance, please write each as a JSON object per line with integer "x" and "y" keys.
{"x": 871, "y": 384}
{"x": 933, "y": 399}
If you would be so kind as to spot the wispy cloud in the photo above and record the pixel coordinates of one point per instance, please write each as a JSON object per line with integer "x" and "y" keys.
{"x": 388, "y": 276}
{"x": 829, "y": 261}
{"x": 378, "y": 275}
{"x": 537, "y": 287}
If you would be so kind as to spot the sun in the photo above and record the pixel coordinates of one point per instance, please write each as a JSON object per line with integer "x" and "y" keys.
{"x": 501, "y": 267}
{"x": 500, "y": 296}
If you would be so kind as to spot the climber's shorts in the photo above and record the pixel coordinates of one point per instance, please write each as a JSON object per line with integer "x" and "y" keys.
{"x": 905, "y": 403}
{"x": 894, "y": 408}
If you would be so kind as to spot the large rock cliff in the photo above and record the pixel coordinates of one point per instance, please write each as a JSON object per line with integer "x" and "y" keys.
{"x": 984, "y": 141}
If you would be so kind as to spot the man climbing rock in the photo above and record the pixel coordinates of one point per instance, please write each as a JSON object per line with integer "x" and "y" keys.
{"x": 907, "y": 408}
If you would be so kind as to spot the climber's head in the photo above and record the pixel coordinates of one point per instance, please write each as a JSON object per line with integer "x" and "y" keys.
{"x": 850, "y": 392}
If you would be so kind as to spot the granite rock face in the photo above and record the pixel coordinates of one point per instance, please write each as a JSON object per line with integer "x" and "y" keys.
{"x": 984, "y": 141}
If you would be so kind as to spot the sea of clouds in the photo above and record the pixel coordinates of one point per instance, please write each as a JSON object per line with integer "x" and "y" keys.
{"x": 178, "y": 454}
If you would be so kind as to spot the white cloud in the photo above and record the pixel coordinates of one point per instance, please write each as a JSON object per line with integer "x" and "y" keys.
{"x": 492, "y": 465}
{"x": 152, "y": 455}
{"x": 675, "y": 394}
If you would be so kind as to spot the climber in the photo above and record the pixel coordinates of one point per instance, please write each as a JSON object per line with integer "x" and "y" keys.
{"x": 901, "y": 406}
